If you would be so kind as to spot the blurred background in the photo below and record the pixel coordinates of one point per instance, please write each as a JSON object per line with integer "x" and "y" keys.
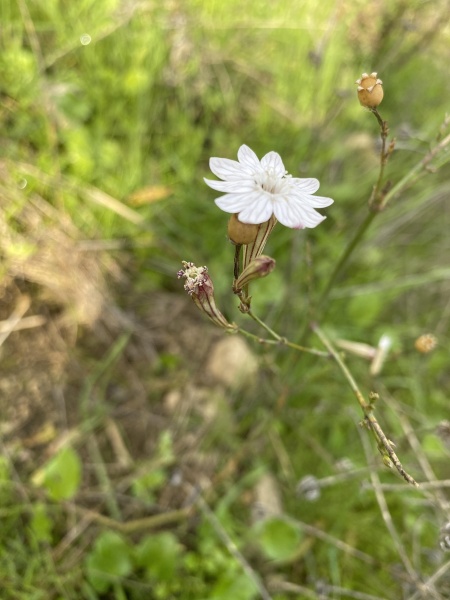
{"x": 143, "y": 453}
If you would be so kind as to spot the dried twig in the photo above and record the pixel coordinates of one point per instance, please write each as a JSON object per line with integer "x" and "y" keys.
{"x": 12, "y": 322}
{"x": 385, "y": 446}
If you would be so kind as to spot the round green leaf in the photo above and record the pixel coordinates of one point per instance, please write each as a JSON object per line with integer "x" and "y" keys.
{"x": 62, "y": 474}
{"x": 278, "y": 538}
{"x": 109, "y": 560}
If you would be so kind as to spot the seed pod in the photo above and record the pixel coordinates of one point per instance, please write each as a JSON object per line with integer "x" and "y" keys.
{"x": 425, "y": 343}
{"x": 370, "y": 90}
{"x": 241, "y": 233}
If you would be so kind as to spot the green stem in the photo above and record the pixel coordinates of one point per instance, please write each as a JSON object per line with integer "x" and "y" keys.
{"x": 264, "y": 326}
{"x": 354, "y": 242}
{"x": 283, "y": 342}
{"x": 345, "y": 256}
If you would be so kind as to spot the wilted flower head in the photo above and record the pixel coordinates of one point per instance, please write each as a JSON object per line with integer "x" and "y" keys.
{"x": 370, "y": 90}
{"x": 196, "y": 277}
{"x": 200, "y": 288}
{"x": 257, "y": 189}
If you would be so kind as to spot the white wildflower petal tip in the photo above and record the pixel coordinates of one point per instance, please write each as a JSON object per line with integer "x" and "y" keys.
{"x": 256, "y": 190}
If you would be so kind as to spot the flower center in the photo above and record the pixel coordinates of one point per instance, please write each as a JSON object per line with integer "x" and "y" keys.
{"x": 271, "y": 182}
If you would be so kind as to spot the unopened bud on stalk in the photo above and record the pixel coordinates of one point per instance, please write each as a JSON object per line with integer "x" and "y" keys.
{"x": 200, "y": 288}
{"x": 259, "y": 267}
{"x": 370, "y": 90}
{"x": 241, "y": 233}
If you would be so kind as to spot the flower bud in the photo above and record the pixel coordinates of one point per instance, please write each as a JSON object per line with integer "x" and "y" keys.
{"x": 259, "y": 267}
{"x": 200, "y": 288}
{"x": 425, "y": 343}
{"x": 370, "y": 90}
{"x": 241, "y": 233}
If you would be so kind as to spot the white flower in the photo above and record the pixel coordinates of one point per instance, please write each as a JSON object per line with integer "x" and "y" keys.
{"x": 256, "y": 190}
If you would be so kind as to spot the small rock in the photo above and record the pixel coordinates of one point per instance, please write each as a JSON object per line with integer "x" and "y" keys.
{"x": 232, "y": 363}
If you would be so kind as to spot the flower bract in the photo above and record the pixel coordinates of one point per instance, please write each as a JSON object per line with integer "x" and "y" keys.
{"x": 257, "y": 189}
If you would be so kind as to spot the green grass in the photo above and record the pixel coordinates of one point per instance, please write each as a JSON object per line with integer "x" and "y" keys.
{"x": 112, "y": 391}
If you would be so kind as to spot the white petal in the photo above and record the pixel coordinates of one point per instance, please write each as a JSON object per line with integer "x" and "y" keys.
{"x": 319, "y": 201}
{"x": 258, "y": 212}
{"x": 309, "y": 199}
{"x": 227, "y": 169}
{"x": 308, "y": 185}
{"x": 308, "y": 216}
{"x": 234, "y": 203}
{"x": 272, "y": 160}
{"x": 292, "y": 214}
{"x": 249, "y": 161}
{"x": 243, "y": 185}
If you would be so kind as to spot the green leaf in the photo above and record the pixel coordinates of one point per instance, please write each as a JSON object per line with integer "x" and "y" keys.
{"x": 158, "y": 555}
{"x": 61, "y": 476}
{"x": 278, "y": 538}
{"x": 109, "y": 560}
{"x": 41, "y": 524}
{"x": 233, "y": 586}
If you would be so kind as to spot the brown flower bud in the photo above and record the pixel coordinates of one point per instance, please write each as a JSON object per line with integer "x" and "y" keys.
{"x": 425, "y": 343}
{"x": 200, "y": 288}
{"x": 370, "y": 90}
{"x": 241, "y": 233}
{"x": 259, "y": 267}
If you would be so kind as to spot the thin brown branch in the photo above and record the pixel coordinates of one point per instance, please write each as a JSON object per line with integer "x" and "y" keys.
{"x": 385, "y": 446}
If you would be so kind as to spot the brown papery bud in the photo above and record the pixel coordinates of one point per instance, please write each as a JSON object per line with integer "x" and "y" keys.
{"x": 370, "y": 90}
{"x": 425, "y": 343}
{"x": 241, "y": 233}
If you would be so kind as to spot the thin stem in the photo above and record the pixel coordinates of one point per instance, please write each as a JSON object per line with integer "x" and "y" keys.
{"x": 379, "y": 200}
{"x": 232, "y": 548}
{"x": 263, "y": 325}
{"x": 283, "y": 342}
{"x": 376, "y": 199}
{"x": 237, "y": 254}
{"x": 385, "y": 446}
{"x": 345, "y": 256}
{"x": 305, "y": 349}
{"x": 374, "y": 205}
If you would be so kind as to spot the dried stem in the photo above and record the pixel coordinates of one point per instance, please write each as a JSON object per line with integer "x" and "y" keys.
{"x": 385, "y": 446}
